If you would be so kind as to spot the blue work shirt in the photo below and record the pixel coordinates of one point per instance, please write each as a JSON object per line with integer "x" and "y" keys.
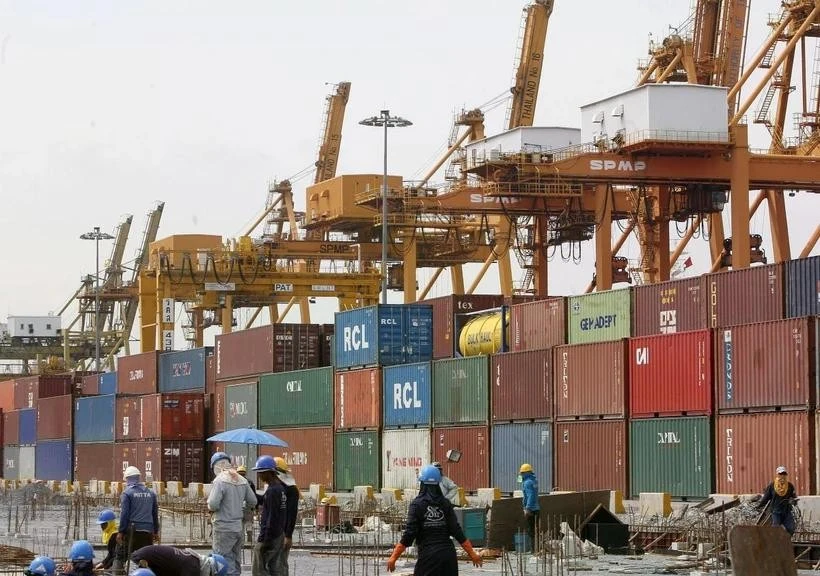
{"x": 138, "y": 506}
{"x": 529, "y": 484}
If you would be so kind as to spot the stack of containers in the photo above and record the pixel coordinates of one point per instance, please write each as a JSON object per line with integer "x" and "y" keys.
{"x": 445, "y": 310}
{"x": 94, "y": 437}
{"x": 99, "y": 384}
{"x": 365, "y": 341}
{"x": 54, "y": 453}
{"x": 590, "y": 378}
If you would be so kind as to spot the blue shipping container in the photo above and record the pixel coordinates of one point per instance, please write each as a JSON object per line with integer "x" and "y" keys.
{"x": 94, "y": 419}
{"x": 28, "y": 427}
{"x": 803, "y": 287}
{"x": 53, "y": 460}
{"x": 183, "y": 370}
{"x": 406, "y": 395}
{"x": 386, "y": 335}
{"x": 514, "y": 444}
{"x": 108, "y": 383}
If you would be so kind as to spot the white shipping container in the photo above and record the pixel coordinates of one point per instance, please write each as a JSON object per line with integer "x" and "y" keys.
{"x": 527, "y": 139}
{"x": 404, "y": 452}
{"x": 34, "y": 326}
{"x": 25, "y": 463}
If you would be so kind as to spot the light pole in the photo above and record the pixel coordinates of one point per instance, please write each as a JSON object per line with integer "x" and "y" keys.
{"x": 388, "y": 121}
{"x": 96, "y": 235}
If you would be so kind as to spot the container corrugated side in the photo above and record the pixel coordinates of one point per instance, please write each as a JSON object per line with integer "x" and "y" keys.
{"x": 461, "y": 390}
{"x": 404, "y": 452}
{"x": 7, "y": 395}
{"x": 26, "y": 462}
{"x": 766, "y": 365}
{"x": 95, "y": 461}
{"x": 94, "y": 419}
{"x": 746, "y": 296}
{"x": 671, "y": 375}
{"x": 108, "y": 383}
{"x": 472, "y": 471}
{"x": 521, "y": 385}
{"x": 538, "y": 325}
{"x": 309, "y": 454}
{"x": 407, "y": 395}
{"x": 591, "y": 455}
{"x": 137, "y": 374}
{"x": 749, "y": 448}
{"x": 54, "y": 460}
{"x": 11, "y": 427}
{"x": 90, "y": 384}
{"x": 670, "y": 307}
{"x": 672, "y": 455}
{"x": 183, "y": 370}
{"x": 599, "y": 317}
{"x": 357, "y": 399}
{"x": 803, "y": 287}
{"x": 591, "y": 380}
{"x": 267, "y": 349}
{"x": 299, "y": 398}
{"x": 177, "y": 416}
{"x": 356, "y": 459}
{"x": 11, "y": 459}
{"x": 163, "y": 461}
{"x": 241, "y": 405}
{"x": 514, "y": 444}
{"x": 27, "y": 435}
{"x": 28, "y": 390}
{"x": 54, "y": 417}
{"x": 444, "y": 310}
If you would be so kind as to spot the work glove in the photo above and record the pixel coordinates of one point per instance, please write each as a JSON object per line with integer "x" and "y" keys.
{"x": 474, "y": 557}
{"x": 397, "y": 551}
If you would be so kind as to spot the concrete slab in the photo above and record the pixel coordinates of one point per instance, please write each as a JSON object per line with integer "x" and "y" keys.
{"x": 655, "y": 504}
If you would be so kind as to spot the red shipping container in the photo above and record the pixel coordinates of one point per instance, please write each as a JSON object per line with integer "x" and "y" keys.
{"x": 472, "y": 471}
{"x": 90, "y": 385}
{"x": 309, "y": 454}
{"x": 671, "y": 375}
{"x": 137, "y": 374}
{"x": 445, "y": 309}
{"x": 521, "y": 385}
{"x": 771, "y": 364}
{"x": 217, "y": 411}
{"x": 54, "y": 418}
{"x": 746, "y": 296}
{"x": 276, "y": 348}
{"x": 95, "y": 462}
{"x": 668, "y": 307}
{"x": 750, "y": 447}
{"x": 176, "y": 416}
{"x": 27, "y": 390}
{"x": 210, "y": 374}
{"x": 163, "y": 461}
{"x": 537, "y": 325}
{"x": 11, "y": 427}
{"x": 590, "y": 380}
{"x": 357, "y": 399}
{"x": 7, "y": 395}
{"x": 591, "y": 455}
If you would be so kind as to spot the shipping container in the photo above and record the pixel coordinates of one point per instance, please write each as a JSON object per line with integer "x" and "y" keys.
{"x": 671, "y": 375}
{"x": 746, "y": 296}
{"x": 517, "y": 443}
{"x": 385, "y": 335}
{"x": 309, "y": 454}
{"x": 266, "y": 349}
{"x": 27, "y": 435}
{"x": 668, "y": 307}
{"x": 750, "y": 447}
{"x": 356, "y": 460}
{"x": 803, "y": 287}
{"x": 461, "y": 390}
{"x": 590, "y": 380}
{"x": 357, "y": 399}
{"x": 538, "y": 325}
{"x": 672, "y": 455}
{"x": 445, "y": 309}
{"x": 599, "y": 317}
{"x": 90, "y": 385}
{"x": 470, "y": 445}
{"x": 28, "y": 389}
{"x": 54, "y": 417}
{"x": 521, "y": 384}
{"x": 95, "y": 461}
{"x": 7, "y": 395}
{"x": 11, "y": 462}
{"x": 94, "y": 419}
{"x": 25, "y": 463}
{"x": 483, "y": 333}
{"x": 591, "y": 455}
{"x": 108, "y": 383}
{"x": 177, "y": 416}
{"x": 163, "y": 461}
{"x": 53, "y": 460}
{"x": 299, "y": 398}
{"x": 183, "y": 370}
{"x": 137, "y": 374}
{"x": 404, "y": 452}
{"x": 11, "y": 427}
{"x": 407, "y": 395}
{"x": 241, "y": 405}
{"x": 102, "y": 384}
{"x": 217, "y": 411}
{"x": 210, "y": 374}
{"x": 771, "y": 364}
{"x": 326, "y": 345}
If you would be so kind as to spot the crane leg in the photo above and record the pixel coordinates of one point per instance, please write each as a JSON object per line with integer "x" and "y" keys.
{"x": 457, "y": 278}
{"x": 432, "y": 282}
{"x": 741, "y": 246}
{"x": 539, "y": 257}
{"x": 409, "y": 268}
{"x": 227, "y": 314}
{"x": 603, "y": 239}
{"x": 779, "y": 225}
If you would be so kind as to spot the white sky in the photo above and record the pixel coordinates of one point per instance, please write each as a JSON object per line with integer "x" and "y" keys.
{"x": 106, "y": 107}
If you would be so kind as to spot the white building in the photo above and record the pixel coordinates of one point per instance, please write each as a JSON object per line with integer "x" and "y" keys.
{"x": 525, "y": 139}
{"x": 34, "y": 326}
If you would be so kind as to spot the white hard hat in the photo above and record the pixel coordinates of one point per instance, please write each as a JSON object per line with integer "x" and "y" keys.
{"x": 781, "y": 470}
{"x": 131, "y": 471}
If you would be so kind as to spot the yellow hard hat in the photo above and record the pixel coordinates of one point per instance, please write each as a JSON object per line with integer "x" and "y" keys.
{"x": 525, "y": 468}
{"x": 242, "y": 469}
{"x": 281, "y": 465}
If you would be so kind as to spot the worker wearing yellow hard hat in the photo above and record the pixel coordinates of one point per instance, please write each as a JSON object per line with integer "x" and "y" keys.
{"x": 529, "y": 485}
{"x": 243, "y": 471}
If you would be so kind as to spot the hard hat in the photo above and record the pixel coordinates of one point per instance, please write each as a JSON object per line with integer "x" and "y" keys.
{"x": 219, "y": 456}
{"x": 283, "y": 472}
{"x": 281, "y": 465}
{"x": 130, "y": 472}
{"x": 81, "y": 550}
{"x": 265, "y": 464}
{"x": 430, "y": 475}
{"x": 782, "y": 470}
{"x": 242, "y": 469}
{"x": 525, "y": 468}
{"x": 106, "y": 516}
{"x": 42, "y": 566}
{"x": 143, "y": 572}
{"x": 219, "y": 566}
{"x": 437, "y": 465}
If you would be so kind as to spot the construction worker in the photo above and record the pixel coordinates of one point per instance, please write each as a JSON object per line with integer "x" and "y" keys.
{"x": 268, "y": 552}
{"x": 139, "y": 518}
{"x": 230, "y": 494}
{"x": 430, "y": 524}
{"x": 107, "y": 523}
{"x": 292, "y": 509}
{"x": 448, "y": 487}
{"x": 529, "y": 485}
{"x": 41, "y": 566}
{"x": 171, "y": 561}
{"x": 782, "y": 495}
{"x": 81, "y": 558}
{"x": 243, "y": 471}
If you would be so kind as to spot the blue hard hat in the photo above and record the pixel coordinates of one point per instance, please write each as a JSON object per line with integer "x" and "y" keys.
{"x": 143, "y": 572}
{"x": 430, "y": 475}
{"x": 219, "y": 566}
{"x": 219, "y": 456}
{"x": 42, "y": 565}
{"x": 265, "y": 463}
{"x": 105, "y": 516}
{"x": 81, "y": 550}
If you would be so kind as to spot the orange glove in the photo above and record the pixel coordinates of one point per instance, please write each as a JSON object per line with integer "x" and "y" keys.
{"x": 474, "y": 557}
{"x": 397, "y": 551}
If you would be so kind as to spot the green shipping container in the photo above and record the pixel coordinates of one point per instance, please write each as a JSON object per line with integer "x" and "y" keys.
{"x": 599, "y": 317}
{"x": 460, "y": 390}
{"x": 671, "y": 455}
{"x": 356, "y": 460}
{"x": 298, "y": 398}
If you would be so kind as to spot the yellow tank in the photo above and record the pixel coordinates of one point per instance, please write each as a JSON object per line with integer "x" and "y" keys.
{"x": 482, "y": 335}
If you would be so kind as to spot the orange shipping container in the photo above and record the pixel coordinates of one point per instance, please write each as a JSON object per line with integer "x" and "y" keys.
{"x": 137, "y": 374}
{"x": 54, "y": 417}
{"x": 357, "y": 399}
{"x": 309, "y": 454}
{"x": 590, "y": 380}
{"x": 472, "y": 445}
{"x": 7, "y": 395}
{"x": 538, "y": 325}
{"x": 591, "y": 455}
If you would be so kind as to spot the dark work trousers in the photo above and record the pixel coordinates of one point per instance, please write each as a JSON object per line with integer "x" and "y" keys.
{"x": 138, "y": 540}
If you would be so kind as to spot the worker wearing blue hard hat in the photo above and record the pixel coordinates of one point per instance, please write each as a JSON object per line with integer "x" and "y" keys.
{"x": 164, "y": 560}
{"x": 268, "y": 553}
{"x": 107, "y": 521}
{"x": 81, "y": 558}
{"x": 41, "y": 566}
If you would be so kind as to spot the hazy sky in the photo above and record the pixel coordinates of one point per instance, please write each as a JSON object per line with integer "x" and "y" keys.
{"x": 106, "y": 107}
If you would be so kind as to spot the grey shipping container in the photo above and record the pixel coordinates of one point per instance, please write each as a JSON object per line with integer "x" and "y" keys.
{"x": 803, "y": 287}
{"x": 461, "y": 390}
{"x": 11, "y": 457}
{"x": 515, "y": 444}
{"x": 183, "y": 370}
{"x": 240, "y": 405}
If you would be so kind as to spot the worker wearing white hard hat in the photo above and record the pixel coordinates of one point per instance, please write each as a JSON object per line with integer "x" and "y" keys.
{"x": 781, "y": 495}
{"x": 139, "y": 517}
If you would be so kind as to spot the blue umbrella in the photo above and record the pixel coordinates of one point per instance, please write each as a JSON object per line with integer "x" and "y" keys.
{"x": 248, "y": 436}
